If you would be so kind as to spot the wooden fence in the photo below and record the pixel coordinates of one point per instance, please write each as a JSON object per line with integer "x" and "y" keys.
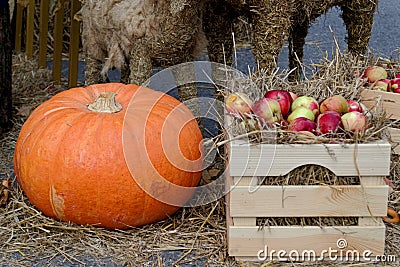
{"x": 26, "y": 34}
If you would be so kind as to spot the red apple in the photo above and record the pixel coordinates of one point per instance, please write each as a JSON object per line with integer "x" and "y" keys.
{"x": 329, "y": 122}
{"x": 283, "y": 97}
{"x": 354, "y": 121}
{"x": 398, "y": 75}
{"x": 238, "y": 104}
{"x": 302, "y": 124}
{"x": 268, "y": 109}
{"x": 394, "y": 85}
{"x": 307, "y": 102}
{"x": 354, "y": 105}
{"x": 334, "y": 103}
{"x": 374, "y": 74}
{"x": 301, "y": 112}
{"x": 382, "y": 85}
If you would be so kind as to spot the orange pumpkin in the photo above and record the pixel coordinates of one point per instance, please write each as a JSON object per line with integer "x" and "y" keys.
{"x": 78, "y": 157}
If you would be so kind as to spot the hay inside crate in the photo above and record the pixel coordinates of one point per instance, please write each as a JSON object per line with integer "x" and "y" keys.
{"x": 265, "y": 210}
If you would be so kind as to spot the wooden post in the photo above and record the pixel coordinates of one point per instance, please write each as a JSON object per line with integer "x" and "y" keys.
{"x": 74, "y": 45}
{"x": 18, "y": 27}
{"x": 5, "y": 68}
{"x": 44, "y": 28}
{"x": 30, "y": 28}
{"x": 58, "y": 41}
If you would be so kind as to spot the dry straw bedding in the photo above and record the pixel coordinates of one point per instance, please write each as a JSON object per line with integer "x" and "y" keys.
{"x": 193, "y": 235}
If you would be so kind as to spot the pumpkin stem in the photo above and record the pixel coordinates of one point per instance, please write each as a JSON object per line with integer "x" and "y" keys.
{"x": 105, "y": 103}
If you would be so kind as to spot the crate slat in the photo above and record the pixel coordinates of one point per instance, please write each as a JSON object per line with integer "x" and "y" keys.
{"x": 395, "y": 138}
{"x": 247, "y": 241}
{"x": 389, "y": 103}
{"x": 308, "y": 201}
{"x": 379, "y": 99}
{"x": 343, "y": 160}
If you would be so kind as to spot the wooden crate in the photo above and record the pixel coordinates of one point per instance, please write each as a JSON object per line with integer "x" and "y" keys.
{"x": 390, "y": 103}
{"x": 247, "y": 201}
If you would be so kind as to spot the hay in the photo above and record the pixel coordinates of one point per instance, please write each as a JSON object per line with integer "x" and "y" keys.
{"x": 28, "y": 237}
{"x": 192, "y": 235}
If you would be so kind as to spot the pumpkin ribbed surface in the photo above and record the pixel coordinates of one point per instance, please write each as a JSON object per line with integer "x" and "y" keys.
{"x": 70, "y": 162}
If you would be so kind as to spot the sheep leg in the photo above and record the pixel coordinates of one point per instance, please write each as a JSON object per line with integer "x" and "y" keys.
{"x": 218, "y": 21}
{"x": 93, "y": 71}
{"x": 297, "y": 39}
{"x": 271, "y": 20}
{"x": 125, "y": 73}
{"x": 218, "y": 26}
{"x": 92, "y": 50}
{"x": 140, "y": 65}
{"x": 358, "y": 17}
{"x": 185, "y": 78}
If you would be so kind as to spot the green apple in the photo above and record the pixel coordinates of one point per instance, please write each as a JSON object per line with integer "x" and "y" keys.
{"x": 307, "y": 102}
{"x": 301, "y": 112}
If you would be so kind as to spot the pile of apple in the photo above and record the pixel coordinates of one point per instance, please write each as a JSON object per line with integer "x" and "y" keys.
{"x": 378, "y": 77}
{"x": 300, "y": 113}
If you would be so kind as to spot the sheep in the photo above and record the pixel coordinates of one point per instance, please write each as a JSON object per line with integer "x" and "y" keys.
{"x": 275, "y": 21}
{"x": 136, "y": 35}
{"x": 145, "y": 33}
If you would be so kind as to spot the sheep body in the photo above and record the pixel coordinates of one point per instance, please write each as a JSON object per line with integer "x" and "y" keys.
{"x": 143, "y": 33}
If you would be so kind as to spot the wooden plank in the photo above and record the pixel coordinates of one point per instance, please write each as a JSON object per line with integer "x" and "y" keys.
{"x": 343, "y": 160}
{"x": 395, "y": 138}
{"x": 18, "y": 28}
{"x": 308, "y": 201}
{"x": 229, "y": 220}
{"x": 74, "y": 45}
{"x": 379, "y": 99}
{"x": 372, "y": 218}
{"x": 58, "y": 41}
{"x": 244, "y": 182}
{"x": 44, "y": 28}
{"x": 248, "y": 241}
{"x": 30, "y": 28}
